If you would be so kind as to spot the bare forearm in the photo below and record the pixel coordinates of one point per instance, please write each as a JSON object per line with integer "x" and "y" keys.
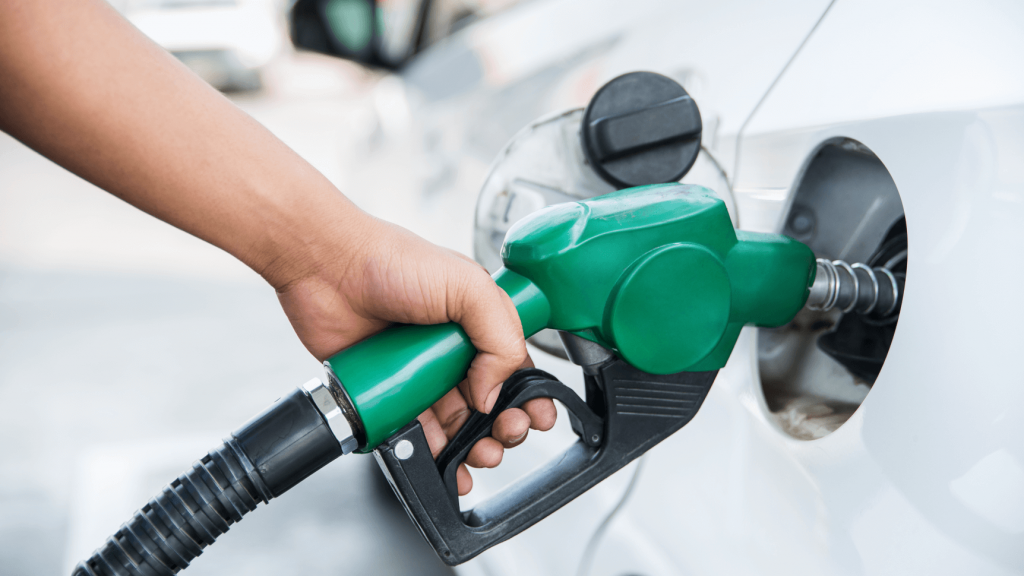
{"x": 86, "y": 89}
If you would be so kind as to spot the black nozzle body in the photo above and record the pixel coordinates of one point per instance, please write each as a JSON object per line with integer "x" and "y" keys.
{"x": 269, "y": 454}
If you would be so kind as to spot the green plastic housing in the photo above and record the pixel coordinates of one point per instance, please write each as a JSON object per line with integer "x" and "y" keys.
{"x": 656, "y": 273}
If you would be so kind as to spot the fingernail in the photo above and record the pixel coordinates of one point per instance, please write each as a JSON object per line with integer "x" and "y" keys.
{"x": 519, "y": 438}
{"x": 492, "y": 399}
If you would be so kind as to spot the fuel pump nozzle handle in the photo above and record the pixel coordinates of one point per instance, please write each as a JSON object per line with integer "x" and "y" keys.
{"x": 656, "y": 274}
{"x": 649, "y": 286}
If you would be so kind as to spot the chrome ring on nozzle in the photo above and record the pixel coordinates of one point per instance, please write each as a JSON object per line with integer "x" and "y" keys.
{"x": 874, "y": 286}
{"x": 824, "y": 290}
{"x": 333, "y": 413}
{"x": 895, "y": 292}
{"x": 840, "y": 265}
{"x": 853, "y": 288}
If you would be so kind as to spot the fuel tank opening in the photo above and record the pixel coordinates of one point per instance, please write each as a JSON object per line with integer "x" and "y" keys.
{"x": 816, "y": 371}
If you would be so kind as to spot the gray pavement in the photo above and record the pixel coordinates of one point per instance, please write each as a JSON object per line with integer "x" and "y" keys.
{"x": 128, "y": 348}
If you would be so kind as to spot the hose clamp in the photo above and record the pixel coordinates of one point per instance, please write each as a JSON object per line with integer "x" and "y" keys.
{"x": 333, "y": 414}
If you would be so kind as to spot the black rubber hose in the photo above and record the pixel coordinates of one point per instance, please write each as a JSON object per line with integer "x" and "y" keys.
{"x": 261, "y": 460}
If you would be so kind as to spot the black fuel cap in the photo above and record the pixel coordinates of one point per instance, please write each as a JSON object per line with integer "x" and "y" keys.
{"x": 641, "y": 128}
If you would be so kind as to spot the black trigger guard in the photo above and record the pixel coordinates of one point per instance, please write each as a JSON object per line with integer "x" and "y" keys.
{"x": 522, "y": 386}
{"x": 636, "y": 411}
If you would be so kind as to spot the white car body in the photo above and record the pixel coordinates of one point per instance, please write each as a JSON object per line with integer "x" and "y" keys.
{"x": 927, "y": 475}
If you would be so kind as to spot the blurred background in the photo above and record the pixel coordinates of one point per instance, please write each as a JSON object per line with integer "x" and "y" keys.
{"x": 104, "y": 309}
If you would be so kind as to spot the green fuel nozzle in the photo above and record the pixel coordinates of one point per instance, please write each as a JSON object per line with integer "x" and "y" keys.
{"x": 656, "y": 274}
{"x": 653, "y": 285}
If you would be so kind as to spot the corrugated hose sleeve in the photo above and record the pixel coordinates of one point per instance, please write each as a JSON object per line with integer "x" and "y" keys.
{"x": 261, "y": 460}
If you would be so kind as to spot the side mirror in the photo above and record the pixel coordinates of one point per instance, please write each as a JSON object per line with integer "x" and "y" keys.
{"x": 381, "y": 34}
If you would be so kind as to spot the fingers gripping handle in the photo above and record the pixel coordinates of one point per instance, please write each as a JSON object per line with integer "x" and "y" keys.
{"x": 634, "y": 410}
{"x": 523, "y": 386}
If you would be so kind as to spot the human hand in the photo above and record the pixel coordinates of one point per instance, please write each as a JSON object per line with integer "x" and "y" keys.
{"x": 380, "y": 273}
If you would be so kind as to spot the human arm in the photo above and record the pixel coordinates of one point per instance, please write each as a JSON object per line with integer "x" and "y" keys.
{"x": 83, "y": 87}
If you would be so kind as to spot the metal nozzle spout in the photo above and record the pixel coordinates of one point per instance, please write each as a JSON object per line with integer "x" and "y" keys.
{"x": 854, "y": 288}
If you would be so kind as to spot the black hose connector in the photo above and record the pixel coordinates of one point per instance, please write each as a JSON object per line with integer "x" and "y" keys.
{"x": 261, "y": 460}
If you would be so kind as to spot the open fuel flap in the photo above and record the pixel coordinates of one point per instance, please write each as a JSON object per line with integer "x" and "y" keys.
{"x": 817, "y": 370}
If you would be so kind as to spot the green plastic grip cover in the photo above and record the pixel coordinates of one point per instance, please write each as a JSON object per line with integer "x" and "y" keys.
{"x": 656, "y": 273}
{"x": 395, "y": 375}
